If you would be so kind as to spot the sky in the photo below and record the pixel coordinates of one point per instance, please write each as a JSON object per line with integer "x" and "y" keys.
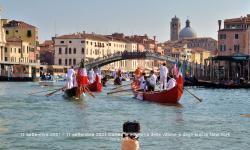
{"x": 151, "y": 17}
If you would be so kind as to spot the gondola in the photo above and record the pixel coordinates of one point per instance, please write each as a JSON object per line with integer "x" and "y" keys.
{"x": 94, "y": 87}
{"x": 171, "y": 96}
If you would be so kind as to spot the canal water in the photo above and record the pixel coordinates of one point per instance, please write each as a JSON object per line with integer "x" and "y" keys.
{"x": 34, "y": 122}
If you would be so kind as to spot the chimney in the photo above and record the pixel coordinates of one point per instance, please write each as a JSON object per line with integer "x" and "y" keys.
{"x": 83, "y": 32}
{"x": 219, "y": 23}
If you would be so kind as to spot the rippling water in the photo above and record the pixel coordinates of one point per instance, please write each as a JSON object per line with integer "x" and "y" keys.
{"x": 163, "y": 127}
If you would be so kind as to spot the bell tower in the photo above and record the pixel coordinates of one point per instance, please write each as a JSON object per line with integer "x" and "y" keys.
{"x": 175, "y": 26}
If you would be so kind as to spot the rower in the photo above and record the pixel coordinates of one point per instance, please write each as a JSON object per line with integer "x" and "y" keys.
{"x": 151, "y": 81}
{"x": 163, "y": 76}
{"x": 142, "y": 80}
{"x": 70, "y": 78}
{"x": 91, "y": 75}
{"x": 138, "y": 72}
{"x": 82, "y": 79}
{"x": 171, "y": 83}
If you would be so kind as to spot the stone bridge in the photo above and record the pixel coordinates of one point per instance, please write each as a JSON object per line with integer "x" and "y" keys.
{"x": 102, "y": 61}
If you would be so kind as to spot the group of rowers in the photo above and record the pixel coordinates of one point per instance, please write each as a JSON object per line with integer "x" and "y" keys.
{"x": 80, "y": 78}
{"x": 149, "y": 83}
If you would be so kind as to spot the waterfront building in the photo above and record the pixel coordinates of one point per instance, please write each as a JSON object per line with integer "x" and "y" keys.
{"x": 232, "y": 61}
{"x": 234, "y": 38}
{"x": 17, "y": 51}
{"x": 71, "y": 49}
{"x": 47, "y": 51}
{"x": 2, "y": 42}
{"x": 22, "y": 30}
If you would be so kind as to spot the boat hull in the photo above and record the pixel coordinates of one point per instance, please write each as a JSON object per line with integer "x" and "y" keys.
{"x": 46, "y": 83}
{"x": 94, "y": 87}
{"x": 171, "y": 96}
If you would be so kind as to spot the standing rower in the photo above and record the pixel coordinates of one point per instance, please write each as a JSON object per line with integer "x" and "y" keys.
{"x": 163, "y": 76}
{"x": 70, "y": 78}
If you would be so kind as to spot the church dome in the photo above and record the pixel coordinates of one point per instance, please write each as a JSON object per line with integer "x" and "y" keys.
{"x": 187, "y": 32}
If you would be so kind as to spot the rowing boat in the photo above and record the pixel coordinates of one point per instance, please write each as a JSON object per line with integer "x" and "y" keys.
{"x": 166, "y": 96}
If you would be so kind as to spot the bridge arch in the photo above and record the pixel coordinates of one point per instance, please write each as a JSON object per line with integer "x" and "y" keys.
{"x": 99, "y": 62}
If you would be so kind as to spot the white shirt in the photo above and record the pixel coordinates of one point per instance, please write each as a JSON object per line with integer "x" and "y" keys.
{"x": 171, "y": 84}
{"x": 70, "y": 73}
{"x": 163, "y": 71}
{"x": 153, "y": 79}
{"x": 142, "y": 83}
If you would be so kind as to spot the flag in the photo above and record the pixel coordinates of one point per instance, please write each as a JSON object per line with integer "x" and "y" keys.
{"x": 180, "y": 70}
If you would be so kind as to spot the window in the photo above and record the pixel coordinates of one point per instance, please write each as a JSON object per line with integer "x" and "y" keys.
{"x": 60, "y": 61}
{"x": 66, "y": 50}
{"x": 6, "y": 50}
{"x": 87, "y": 42}
{"x": 69, "y": 50}
{"x": 70, "y": 41}
{"x": 61, "y": 41}
{"x": 66, "y": 62}
{"x": 70, "y": 63}
{"x": 6, "y": 58}
{"x": 16, "y": 31}
{"x": 236, "y": 36}
{"x": 29, "y": 33}
{"x": 82, "y": 50}
{"x": 90, "y": 43}
{"x": 60, "y": 50}
{"x": 7, "y": 31}
{"x": 222, "y": 47}
{"x": 82, "y": 41}
{"x": 223, "y": 36}
{"x": 74, "y": 61}
{"x": 74, "y": 51}
{"x": 236, "y": 48}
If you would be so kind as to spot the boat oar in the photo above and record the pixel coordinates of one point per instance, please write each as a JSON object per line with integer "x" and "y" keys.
{"x": 49, "y": 94}
{"x": 120, "y": 86}
{"x": 119, "y": 91}
{"x": 199, "y": 99}
{"x": 88, "y": 91}
{"x": 40, "y": 91}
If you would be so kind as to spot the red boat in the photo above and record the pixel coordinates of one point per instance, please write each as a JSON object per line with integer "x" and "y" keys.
{"x": 171, "y": 96}
{"x": 95, "y": 86}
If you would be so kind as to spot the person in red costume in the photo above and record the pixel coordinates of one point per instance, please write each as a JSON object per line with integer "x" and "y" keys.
{"x": 82, "y": 79}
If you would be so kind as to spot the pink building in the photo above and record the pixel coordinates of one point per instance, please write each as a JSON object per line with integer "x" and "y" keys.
{"x": 234, "y": 39}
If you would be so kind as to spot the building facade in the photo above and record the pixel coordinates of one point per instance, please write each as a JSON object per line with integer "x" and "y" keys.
{"x": 2, "y": 41}
{"x": 234, "y": 38}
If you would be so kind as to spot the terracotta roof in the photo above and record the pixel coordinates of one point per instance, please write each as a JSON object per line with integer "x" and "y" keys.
{"x": 21, "y": 24}
{"x": 83, "y": 36}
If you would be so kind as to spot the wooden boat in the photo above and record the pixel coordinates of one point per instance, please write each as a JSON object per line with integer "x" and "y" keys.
{"x": 46, "y": 82}
{"x": 94, "y": 87}
{"x": 171, "y": 96}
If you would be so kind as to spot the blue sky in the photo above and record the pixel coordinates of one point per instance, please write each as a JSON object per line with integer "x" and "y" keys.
{"x": 127, "y": 16}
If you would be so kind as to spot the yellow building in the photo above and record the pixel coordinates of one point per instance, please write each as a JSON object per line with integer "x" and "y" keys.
{"x": 199, "y": 55}
{"x": 21, "y": 30}
{"x": 16, "y": 51}
{"x": 2, "y": 41}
